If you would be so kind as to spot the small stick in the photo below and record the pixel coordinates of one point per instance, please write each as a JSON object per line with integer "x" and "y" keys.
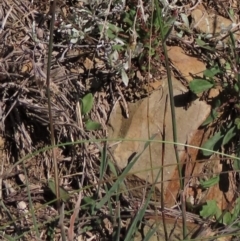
{"x": 5, "y": 19}
{"x": 124, "y": 102}
{"x": 162, "y": 171}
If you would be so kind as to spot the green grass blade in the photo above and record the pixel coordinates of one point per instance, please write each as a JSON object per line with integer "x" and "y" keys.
{"x": 139, "y": 216}
{"x": 103, "y": 165}
{"x": 122, "y": 176}
{"x": 117, "y": 222}
{"x": 150, "y": 233}
{"x": 35, "y": 224}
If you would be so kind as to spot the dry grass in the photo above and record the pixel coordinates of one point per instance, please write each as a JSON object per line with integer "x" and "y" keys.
{"x": 24, "y": 112}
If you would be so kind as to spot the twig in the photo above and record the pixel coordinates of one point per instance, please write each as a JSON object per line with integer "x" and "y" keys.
{"x": 1, "y": 179}
{"x": 174, "y": 124}
{"x": 193, "y": 7}
{"x": 140, "y": 5}
{"x": 199, "y": 21}
{"x": 51, "y": 119}
{"x": 5, "y": 19}
{"x": 170, "y": 89}
{"x": 49, "y": 103}
{"x": 184, "y": 219}
{"x": 124, "y": 102}
{"x": 162, "y": 169}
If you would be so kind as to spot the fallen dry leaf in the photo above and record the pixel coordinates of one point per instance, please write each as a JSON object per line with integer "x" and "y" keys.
{"x": 88, "y": 64}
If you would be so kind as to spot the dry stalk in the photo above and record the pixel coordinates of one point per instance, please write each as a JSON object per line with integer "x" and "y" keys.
{"x": 60, "y": 210}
